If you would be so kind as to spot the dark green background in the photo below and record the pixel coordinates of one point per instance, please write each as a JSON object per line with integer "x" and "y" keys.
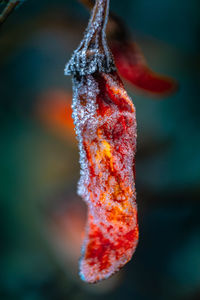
{"x": 38, "y": 166}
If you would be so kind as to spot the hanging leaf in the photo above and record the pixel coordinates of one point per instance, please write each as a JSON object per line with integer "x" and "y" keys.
{"x": 105, "y": 121}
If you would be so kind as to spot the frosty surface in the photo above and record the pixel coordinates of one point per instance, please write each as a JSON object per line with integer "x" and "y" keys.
{"x": 106, "y": 128}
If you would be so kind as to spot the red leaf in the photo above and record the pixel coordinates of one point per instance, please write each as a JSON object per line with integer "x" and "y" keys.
{"x": 132, "y": 67}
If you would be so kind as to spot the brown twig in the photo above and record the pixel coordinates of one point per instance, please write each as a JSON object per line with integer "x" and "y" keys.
{"x": 8, "y": 10}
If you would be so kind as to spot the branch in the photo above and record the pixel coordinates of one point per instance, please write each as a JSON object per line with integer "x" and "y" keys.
{"x": 8, "y": 10}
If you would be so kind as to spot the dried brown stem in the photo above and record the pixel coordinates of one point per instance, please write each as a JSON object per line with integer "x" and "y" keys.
{"x": 116, "y": 28}
{"x": 93, "y": 53}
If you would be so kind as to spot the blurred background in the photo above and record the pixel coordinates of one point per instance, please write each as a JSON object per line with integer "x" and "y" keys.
{"x": 42, "y": 218}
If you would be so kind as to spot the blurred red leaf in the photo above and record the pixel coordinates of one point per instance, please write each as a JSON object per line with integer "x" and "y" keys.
{"x": 133, "y": 68}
